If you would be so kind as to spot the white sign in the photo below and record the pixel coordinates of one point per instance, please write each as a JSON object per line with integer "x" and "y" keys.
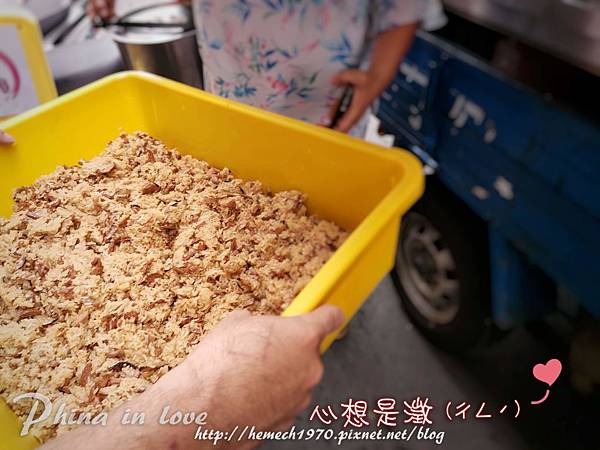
{"x": 17, "y": 91}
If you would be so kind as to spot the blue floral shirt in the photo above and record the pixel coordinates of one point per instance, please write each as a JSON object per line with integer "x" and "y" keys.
{"x": 280, "y": 55}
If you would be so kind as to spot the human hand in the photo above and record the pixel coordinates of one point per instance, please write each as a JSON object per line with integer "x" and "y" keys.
{"x": 259, "y": 371}
{"x": 104, "y": 9}
{"x": 389, "y": 49}
{"x": 250, "y": 370}
{"x": 364, "y": 92}
{"x": 6, "y": 139}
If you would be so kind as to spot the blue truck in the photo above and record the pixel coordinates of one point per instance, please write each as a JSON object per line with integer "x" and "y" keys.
{"x": 509, "y": 227}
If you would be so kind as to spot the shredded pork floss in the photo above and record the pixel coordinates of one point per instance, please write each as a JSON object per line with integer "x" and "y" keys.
{"x": 112, "y": 270}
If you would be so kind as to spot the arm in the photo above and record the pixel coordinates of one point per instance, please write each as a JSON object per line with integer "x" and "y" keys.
{"x": 255, "y": 371}
{"x": 389, "y": 49}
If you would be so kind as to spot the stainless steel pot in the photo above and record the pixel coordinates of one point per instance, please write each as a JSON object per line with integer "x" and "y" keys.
{"x": 160, "y": 39}
{"x": 567, "y": 29}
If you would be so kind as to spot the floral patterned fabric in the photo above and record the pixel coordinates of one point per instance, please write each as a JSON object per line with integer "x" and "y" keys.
{"x": 280, "y": 55}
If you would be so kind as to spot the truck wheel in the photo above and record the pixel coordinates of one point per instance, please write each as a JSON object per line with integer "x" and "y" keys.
{"x": 441, "y": 271}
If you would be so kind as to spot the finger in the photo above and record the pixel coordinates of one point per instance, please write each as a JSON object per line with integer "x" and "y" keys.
{"x": 357, "y": 108}
{"x": 107, "y": 10}
{"x": 333, "y": 108}
{"x": 93, "y": 8}
{"x": 354, "y": 77}
{"x": 99, "y": 5}
{"x": 325, "y": 320}
{"x": 6, "y": 139}
{"x": 102, "y": 8}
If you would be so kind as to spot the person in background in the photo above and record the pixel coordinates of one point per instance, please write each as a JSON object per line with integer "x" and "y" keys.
{"x": 294, "y": 57}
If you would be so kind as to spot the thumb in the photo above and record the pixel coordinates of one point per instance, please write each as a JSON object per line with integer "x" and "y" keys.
{"x": 355, "y": 77}
{"x": 325, "y": 319}
{"x": 6, "y": 139}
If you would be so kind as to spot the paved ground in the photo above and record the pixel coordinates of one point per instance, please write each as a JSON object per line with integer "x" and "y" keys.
{"x": 383, "y": 355}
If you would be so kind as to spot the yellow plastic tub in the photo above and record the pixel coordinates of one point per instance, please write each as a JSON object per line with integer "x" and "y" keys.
{"x": 361, "y": 187}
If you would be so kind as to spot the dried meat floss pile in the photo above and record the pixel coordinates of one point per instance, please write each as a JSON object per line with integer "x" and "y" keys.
{"x": 112, "y": 270}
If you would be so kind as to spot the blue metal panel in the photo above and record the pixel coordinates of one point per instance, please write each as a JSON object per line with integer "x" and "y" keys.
{"x": 558, "y": 147}
{"x": 520, "y": 292}
{"x": 554, "y": 233}
{"x": 406, "y": 104}
{"x": 532, "y": 166}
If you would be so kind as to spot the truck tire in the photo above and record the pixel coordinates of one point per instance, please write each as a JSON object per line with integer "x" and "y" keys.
{"x": 442, "y": 271}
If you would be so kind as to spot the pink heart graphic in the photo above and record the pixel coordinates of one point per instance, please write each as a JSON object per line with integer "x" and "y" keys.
{"x": 549, "y": 372}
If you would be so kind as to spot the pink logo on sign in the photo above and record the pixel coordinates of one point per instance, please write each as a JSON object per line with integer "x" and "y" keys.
{"x": 5, "y": 85}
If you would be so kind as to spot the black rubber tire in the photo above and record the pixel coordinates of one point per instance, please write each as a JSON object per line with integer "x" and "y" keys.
{"x": 464, "y": 235}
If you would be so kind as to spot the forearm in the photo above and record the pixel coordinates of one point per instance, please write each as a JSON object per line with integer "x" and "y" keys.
{"x": 151, "y": 434}
{"x": 390, "y": 48}
{"x": 240, "y": 375}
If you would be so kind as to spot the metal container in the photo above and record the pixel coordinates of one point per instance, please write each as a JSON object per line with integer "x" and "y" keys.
{"x": 567, "y": 29}
{"x": 160, "y": 39}
{"x": 578, "y": 16}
